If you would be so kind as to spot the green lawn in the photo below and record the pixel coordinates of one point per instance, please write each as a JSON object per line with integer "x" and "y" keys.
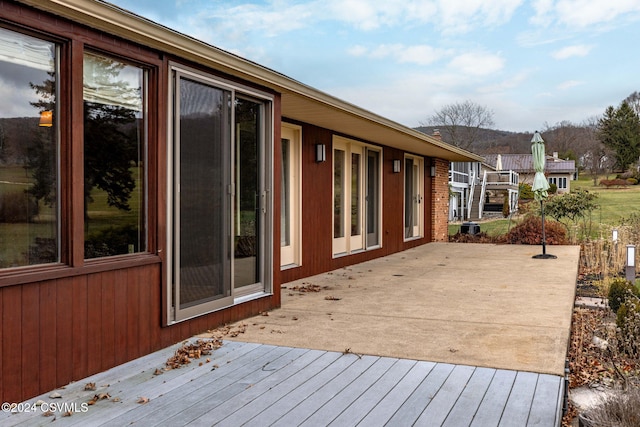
{"x": 614, "y": 204}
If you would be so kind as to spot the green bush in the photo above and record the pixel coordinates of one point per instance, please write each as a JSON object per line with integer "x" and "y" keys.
{"x": 620, "y": 290}
{"x": 529, "y": 232}
{"x": 553, "y": 188}
{"x": 506, "y": 208}
{"x": 628, "y": 323}
{"x": 632, "y": 181}
{"x": 525, "y": 191}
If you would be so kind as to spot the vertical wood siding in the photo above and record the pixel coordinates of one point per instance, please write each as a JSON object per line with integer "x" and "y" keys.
{"x": 58, "y": 331}
{"x": 317, "y": 209}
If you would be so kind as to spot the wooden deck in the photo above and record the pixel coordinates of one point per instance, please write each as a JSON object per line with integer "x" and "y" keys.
{"x": 260, "y": 385}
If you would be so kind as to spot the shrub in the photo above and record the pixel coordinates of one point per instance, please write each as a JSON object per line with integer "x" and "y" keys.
{"x": 619, "y": 290}
{"x": 526, "y": 193}
{"x": 529, "y": 232}
{"x": 632, "y": 181}
{"x": 628, "y": 323}
{"x": 111, "y": 241}
{"x": 620, "y": 409}
{"x": 553, "y": 188}
{"x": 506, "y": 207}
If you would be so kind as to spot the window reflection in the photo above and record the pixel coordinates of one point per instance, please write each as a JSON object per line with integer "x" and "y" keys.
{"x": 29, "y": 219}
{"x": 114, "y": 152}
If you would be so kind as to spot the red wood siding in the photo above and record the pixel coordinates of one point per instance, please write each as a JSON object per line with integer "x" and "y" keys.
{"x": 317, "y": 209}
{"x": 58, "y": 331}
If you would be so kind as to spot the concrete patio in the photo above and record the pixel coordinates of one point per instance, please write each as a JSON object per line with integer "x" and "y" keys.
{"x": 473, "y": 304}
{"x": 443, "y": 334}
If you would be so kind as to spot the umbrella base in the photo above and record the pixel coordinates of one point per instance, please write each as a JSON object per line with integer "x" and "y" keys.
{"x": 544, "y": 256}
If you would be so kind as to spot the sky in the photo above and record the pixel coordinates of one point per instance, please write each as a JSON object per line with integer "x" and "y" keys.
{"x": 532, "y": 63}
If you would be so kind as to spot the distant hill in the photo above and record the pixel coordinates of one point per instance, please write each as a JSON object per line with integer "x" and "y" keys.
{"x": 491, "y": 141}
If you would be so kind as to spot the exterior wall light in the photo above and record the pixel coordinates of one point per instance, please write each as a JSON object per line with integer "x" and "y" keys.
{"x": 433, "y": 171}
{"x": 396, "y": 166}
{"x": 321, "y": 154}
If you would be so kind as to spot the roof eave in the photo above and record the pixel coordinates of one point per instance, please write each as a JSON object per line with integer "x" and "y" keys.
{"x": 330, "y": 111}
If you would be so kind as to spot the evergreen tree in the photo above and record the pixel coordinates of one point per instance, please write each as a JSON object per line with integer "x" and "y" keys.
{"x": 619, "y": 130}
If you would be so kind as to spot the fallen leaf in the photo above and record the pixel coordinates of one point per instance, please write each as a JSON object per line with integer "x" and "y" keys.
{"x": 332, "y": 298}
{"x": 116, "y": 399}
{"x": 158, "y": 371}
{"x": 47, "y": 414}
{"x": 143, "y": 400}
{"x": 90, "y": 386}
{"x": 67, "y": 414}
{"x": 55, "y": 395}
{"x": 101, "y": 396}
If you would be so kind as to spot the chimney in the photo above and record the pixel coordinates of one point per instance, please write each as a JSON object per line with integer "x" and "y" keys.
{"x": 436, "y": 134}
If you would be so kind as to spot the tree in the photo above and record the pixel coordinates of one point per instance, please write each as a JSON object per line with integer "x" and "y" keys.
{"x": 634, "y": 101}
{"x": 619, "y": 129}
{"x": 570, "y": 208}
{"x": 460, "y": 123}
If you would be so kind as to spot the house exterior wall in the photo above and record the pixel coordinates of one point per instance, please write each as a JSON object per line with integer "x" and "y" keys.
{"x": 63, "y": 322}
{"x": 317, "y": 231}
{"x": 440, "y": 201}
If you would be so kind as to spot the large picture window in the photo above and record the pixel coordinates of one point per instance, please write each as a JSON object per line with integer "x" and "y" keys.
{"x": 114, "y": 157}
{"x": 29, "y": 179}
{"x": 356, "y": 196}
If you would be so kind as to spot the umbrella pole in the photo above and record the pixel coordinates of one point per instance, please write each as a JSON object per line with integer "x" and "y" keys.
{"x": 544, "y": 242}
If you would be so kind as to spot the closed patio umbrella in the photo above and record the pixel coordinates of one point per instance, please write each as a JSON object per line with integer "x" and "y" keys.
{"x": 540, "y": 185}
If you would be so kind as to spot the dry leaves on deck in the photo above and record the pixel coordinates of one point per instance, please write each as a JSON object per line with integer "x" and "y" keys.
{"x": 189, "y": 351}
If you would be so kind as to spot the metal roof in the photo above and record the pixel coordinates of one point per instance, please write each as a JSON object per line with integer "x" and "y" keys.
{"x": 523, "y": 163}
{"x": 299, "y": 101}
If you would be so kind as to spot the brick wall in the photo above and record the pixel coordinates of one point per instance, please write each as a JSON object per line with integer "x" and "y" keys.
{"x": 440, "y": 201}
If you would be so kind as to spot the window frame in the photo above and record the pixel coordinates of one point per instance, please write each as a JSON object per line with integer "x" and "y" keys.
{"x": 146, "y": 107}
{"x": 291, "y": 255}
{"x": 350, "y": 243}
{"x": 70, "y": 130}
{"x": 419, "y": 193}
{"x": 264, "y": 286}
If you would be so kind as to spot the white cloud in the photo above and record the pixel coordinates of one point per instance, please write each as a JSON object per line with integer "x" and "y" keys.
{"x": 571, "y": 51}
{"x": 582, "y": 14}
{"x": 569, "y": 84}
{"x": 417, "y": 54}
{"x": 477, "y": 63}
{"x": 509, "y": 83}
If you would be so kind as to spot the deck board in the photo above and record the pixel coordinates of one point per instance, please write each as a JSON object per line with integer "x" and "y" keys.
{"x": 261, "y": 385}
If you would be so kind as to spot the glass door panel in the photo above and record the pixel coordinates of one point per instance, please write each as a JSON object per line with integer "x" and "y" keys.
{"x": 201, "y": 251}
{"x": 413, "y": 215}
{"x": 247, "y": 203}
{"x": 373, "y": 198}
{"x": 290, "y": 197}
{"x": 339, "y": 201}
{"x": 409, "y": 211}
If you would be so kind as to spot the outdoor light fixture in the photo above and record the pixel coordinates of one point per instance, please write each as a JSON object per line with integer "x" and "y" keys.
{"x": 320, "y": 153}
{"x": 433, "y": 171}
{"x": 630, "y": 270}
{"x": 46, "y": 119}
{"x": 396, "y": 166}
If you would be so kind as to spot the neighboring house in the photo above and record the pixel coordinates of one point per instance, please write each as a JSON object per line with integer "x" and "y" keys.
{"x": 161, "y": 187}
{"x": 478, "y": 189}
{"x": 558, "y": 171}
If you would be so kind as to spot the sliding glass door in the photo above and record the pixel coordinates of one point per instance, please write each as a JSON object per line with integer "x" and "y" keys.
{"x": 218, "y": 207}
